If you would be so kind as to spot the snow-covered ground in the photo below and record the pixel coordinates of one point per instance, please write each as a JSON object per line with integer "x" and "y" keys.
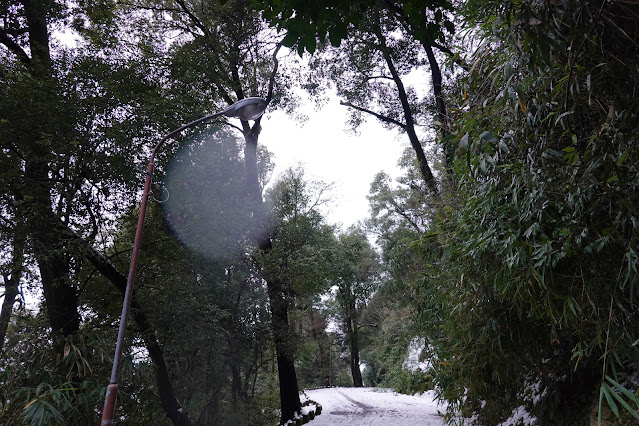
{"x": 375, "y": 407}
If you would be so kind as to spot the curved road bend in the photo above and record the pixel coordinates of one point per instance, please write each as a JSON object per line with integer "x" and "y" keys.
{"x": 374, "y": 407}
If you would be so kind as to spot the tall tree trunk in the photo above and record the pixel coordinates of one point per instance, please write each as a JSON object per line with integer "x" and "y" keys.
{"x": 436, "y": 75}
{"x": 236, "y": 384}
{"x": 409, "y": 127}
{"x": 251, "y": 373}
{"x": 442, "y": 114}
{"x": 36, "y": 14}
{"x": 60, "y": 295}
{"x": 170, "y": 403}
{"x": 353, "y": 345}
{"x": 49, "y": 244}
{"x": 11, "y": 282}
{"x": 285, "y": 349}
{"x": 284, "y": 344}
{"x": 238, "y": 391}
{"x": 330, "y": 365}
{"x": 43, "y": 226}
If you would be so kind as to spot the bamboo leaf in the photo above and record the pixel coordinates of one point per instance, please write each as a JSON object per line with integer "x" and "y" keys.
{"x": 600, "y": 407}
{"x": 611, "y": 402}
{"x": 625, "y": 404}
{"x": 631, "y": 396}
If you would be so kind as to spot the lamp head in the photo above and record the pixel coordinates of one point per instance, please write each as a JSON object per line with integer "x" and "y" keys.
{"x": 246, "y": 109}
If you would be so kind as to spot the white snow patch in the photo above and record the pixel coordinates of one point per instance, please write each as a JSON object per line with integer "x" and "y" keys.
{"x": 305, "y": 410}
{"x": 375, "y": 407}
{"x": 533, "y": 392}
{"x": 333, "y": 327}
{"x": 519, "y": 417}
{"x": 415, "y": 349}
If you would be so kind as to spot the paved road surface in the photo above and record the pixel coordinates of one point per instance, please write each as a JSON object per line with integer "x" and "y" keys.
{"x": 374, "y": 407}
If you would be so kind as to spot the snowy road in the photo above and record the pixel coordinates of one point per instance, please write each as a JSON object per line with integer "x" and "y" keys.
{"x": 374, "y": 407}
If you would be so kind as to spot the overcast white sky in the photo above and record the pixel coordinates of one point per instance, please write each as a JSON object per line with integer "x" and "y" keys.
{"x": 330, "y": 153}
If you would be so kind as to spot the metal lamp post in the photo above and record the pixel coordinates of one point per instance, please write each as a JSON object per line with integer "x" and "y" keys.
{"x": 244, "y": 109}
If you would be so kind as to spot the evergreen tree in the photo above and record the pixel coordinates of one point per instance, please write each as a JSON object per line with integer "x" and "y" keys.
{"x": 356, "y": 277}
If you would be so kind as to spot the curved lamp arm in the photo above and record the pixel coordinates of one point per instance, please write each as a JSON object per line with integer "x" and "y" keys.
{"x": 244, "y": 109}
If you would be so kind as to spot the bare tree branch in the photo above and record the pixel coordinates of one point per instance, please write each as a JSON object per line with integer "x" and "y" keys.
{"x": 194, "y": 18}
{"x": 14, "y": 47}
{"x": 375, "y": 114}
{"x": 450, "y": 53}
{"x": 378, "y": 77}
{"x": 271, "y": 81}
{"x": 234, "y": 126}
{"x": 153, "y": 8}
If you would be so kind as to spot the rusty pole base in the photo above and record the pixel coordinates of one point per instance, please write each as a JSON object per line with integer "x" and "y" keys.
{"x": 109, "y": 404}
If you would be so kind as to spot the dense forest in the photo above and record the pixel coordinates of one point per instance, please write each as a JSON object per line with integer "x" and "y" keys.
{"x": 506, "y": 254}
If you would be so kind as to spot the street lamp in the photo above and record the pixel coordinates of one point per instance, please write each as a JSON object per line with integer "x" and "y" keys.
{"x": 244, "y": 109}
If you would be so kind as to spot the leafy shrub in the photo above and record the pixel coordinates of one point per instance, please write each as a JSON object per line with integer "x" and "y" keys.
{"x": 532, "y": 270}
